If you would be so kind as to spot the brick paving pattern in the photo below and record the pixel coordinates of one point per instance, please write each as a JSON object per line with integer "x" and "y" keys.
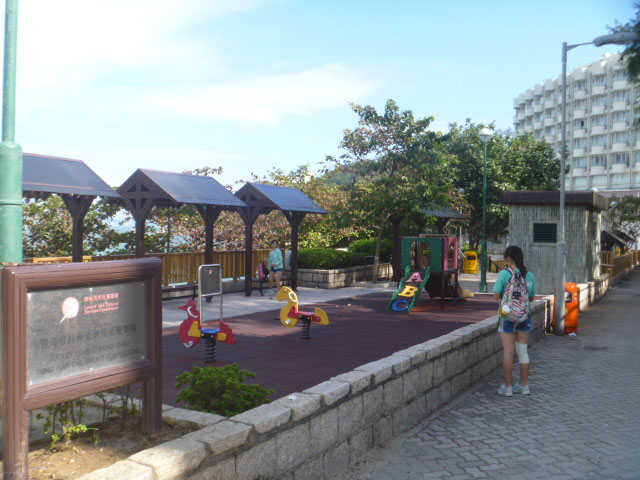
{"x": 581, "y": 421}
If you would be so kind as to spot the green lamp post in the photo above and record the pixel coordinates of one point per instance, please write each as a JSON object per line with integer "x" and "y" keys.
{"x": 485, "y": 135}
{"x": 11, "y": 205}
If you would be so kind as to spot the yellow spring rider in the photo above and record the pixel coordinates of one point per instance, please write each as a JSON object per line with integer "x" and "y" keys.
{"x": 289, "y": 314}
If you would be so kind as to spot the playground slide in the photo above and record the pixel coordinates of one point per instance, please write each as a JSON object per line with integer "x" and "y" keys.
{"x": 405, "y": 298}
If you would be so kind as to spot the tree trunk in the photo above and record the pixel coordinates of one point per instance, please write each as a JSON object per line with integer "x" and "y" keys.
{"x": 397, "y": 248}
{"x": 376, "y": 258}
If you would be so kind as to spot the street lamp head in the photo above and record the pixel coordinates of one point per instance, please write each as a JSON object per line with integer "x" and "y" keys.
{"x": 619, "y": 38}
{"x": 613, "y": 204}
{"x": 485, "y": 134}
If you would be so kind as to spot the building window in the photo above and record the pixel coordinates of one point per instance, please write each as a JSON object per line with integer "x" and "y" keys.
{"x": 620, "y": 158}
{"x": 599, "y": 161}
{"x": 620, "y": 137}
{"x": 599, "y": 141}
{"x": 599, "y": 180}
{"x": 599, "y": 100}
{"x": 579, "y": 143}
{"x": 580, "y": 162}
{"x": 620, "y": 75}
{"x": 580, "y": 85}
{"x": 545, "y": 232}
{"x": 580, "y": 182}
{"x": 618, "y": 178}
{"x": 598, "y": 120}
{"x": 579, "y": 124}
{"x": 579, "y": 105}
{"x": 620, "y": 117}
{"x": 598, "y": 80}
{"x": 622, "y": 96}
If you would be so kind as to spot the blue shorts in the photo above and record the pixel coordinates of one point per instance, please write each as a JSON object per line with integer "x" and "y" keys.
{"x": 506, "y": 326}
{"x": 276, "y": 270}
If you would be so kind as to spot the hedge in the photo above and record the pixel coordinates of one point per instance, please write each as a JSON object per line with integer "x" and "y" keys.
{"x": 329, "y": 259}
{"x": 368, "y": 247}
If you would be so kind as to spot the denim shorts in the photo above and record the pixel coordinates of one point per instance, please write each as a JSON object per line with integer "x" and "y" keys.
{"x": 276, "y": 270}
{"x": 507, "y": 326}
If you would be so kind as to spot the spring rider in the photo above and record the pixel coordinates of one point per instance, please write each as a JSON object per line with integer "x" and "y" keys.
{"x": 289, "y": 314}
{"x": 191, "y": 332}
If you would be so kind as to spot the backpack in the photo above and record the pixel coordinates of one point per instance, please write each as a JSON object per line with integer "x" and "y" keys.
{"x": 263, "y": 272}
{"x": 516, "y": 297}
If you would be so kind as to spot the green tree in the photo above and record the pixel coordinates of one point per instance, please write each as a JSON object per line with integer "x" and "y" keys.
{"x": 397, "y": 165}
{"x": 624, "y": 216}
{"x": 631, "y": 53}
{"x": 513, "y": 163}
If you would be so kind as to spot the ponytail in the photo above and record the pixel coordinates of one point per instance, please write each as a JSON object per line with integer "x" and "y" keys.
{"x": 516, "y": 254}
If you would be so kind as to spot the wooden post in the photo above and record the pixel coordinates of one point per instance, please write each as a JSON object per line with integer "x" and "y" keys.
{"x": 78, "y": 206}
{"x": 210, "y": 214}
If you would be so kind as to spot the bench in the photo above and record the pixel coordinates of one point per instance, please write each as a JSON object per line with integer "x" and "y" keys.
{"x": 192, "y": 288}
{"x": 260, "y": 283}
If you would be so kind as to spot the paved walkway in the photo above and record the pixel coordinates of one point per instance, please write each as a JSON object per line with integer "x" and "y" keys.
{"x": 581, "y": 421}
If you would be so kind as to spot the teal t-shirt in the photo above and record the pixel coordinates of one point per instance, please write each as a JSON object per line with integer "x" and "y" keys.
{"x": 503, "y": 279}
{"x": 275, "y": 259}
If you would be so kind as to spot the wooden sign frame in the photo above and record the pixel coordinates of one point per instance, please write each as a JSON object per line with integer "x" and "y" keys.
{"x": 18, "y": 398}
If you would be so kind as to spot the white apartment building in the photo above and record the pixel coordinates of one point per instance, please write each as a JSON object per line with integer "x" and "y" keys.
{"x": 602, "y": 144}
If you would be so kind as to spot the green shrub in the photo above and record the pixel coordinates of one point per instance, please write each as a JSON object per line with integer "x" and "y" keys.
{"x": 328, "y": 258}
{"x": 368, "y": 247}
{"x": 221, "y": 390}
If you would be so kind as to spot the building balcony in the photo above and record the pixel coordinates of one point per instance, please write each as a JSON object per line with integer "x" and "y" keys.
{"x": 549, "y": 121}
{"x": 537, "y": 125}
{"x": 598, "y": 129}
{"x": 620, "y": 85}
{"x": 578, "y": 152}
{"x": 550, "y": 138}
{"x": 580, "y": 133}
{"x": 528, "y": 95}
{"x": 598, "y": 149}
{"x": 578, "y": 171}
{"x": 598, "y": 109}
{"x": 528, "y": 128}
{"x": 549, "y": 85}
{"x": 521, "y": 116}
{"x": 636, "y": 167}
{"x": 549, "y": 104}
{"x": 538, "y": 89}
{"x": 579, "y": 74}
{"x": 579, "y": 114}
{"x": 598, "y": 90}
{"x": 537, "y": 108}
{"x": 598, "y": 68}
{"x": 619, "y": 168}
{"x": 579, "y": 94}
{"x": 619, "y": 127}
{"x": 619, "y": 147}
{"x": 528, "y": 112}
{"x": 620, "y": 106}
{"x": 597, "y": 169}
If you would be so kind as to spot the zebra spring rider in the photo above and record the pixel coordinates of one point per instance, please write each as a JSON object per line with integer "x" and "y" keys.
{"x": 191, "y": 332}
{"x": 289, "y": 314}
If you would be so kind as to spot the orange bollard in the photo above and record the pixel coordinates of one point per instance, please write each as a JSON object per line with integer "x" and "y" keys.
{"x": 572, "y": 309}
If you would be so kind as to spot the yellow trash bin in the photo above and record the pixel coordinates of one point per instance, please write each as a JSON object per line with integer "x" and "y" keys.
{"x": 470, "y": 262}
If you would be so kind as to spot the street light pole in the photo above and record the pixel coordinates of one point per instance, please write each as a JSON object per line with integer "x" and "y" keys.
{"x": 561, "y": 251}
{"x": 11, "y": 205}
{"x": 485, "y": 135}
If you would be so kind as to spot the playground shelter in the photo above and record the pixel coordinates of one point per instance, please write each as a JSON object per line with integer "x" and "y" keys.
{"x": 444, "y": 214}
{"x": 261, "y": 199}
{"x": 146, "y": 189}
{"x": 73, "y": 180}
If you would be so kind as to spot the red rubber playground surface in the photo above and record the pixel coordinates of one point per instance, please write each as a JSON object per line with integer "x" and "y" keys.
{"x": 361, "y": 331}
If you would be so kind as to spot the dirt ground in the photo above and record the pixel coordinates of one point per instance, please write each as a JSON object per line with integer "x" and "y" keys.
{"x": 112, "y": 441}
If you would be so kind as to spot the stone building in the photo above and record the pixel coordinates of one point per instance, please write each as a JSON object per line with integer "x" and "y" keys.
{"x": 534, "y": 226}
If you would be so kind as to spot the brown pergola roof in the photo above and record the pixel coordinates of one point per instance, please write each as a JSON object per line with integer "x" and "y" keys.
{"x": 73, "y": 180}
{"x": 261, "y": 198}
{"x": 586, "y": 198}
{"x": 145, "y": 189}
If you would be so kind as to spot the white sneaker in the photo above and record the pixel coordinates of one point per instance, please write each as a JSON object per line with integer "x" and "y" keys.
{"x": 505, "y": 391}
{"x": 269, "y": 293}
{"x": 524, "y": 390}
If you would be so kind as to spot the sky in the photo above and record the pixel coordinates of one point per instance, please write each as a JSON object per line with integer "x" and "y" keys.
{"x": 252, "y": 85}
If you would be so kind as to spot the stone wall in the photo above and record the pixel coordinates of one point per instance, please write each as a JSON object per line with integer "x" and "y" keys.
{"x": 343, "y": 277}
{"x": 317, "y": 433}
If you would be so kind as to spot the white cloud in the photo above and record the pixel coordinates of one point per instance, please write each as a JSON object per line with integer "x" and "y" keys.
{"x": 266, "y": 99}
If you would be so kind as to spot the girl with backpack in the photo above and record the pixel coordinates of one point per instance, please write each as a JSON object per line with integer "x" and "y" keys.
{"x": 515, "y": 288}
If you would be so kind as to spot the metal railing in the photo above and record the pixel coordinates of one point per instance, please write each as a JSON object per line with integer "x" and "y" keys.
{"x": 181, "y": 267}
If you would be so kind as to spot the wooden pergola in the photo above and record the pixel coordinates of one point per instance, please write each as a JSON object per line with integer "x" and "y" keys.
{"x": 261, "y": 199}
{"x": 73, "y": 180}
{"x": 146, "y": 189}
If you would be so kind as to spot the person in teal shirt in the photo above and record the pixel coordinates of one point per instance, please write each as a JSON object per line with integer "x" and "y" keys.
{"x": 276, "y": 267}
{"x": 514, "y": 336}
